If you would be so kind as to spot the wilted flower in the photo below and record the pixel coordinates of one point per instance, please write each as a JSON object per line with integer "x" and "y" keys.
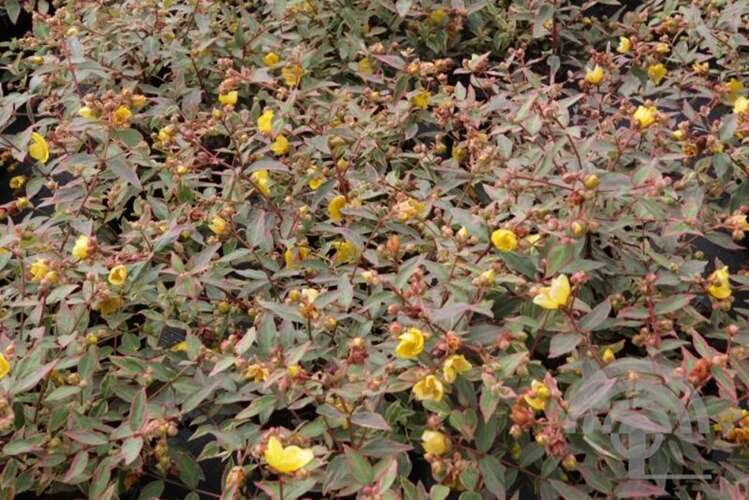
{"x": 17, "y": 181}
{"x": 108, "y": 304}
{"x": 256, "y": 372}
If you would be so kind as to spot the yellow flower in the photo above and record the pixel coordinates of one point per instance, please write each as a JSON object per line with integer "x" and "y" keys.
{"x": 421, "y": 99}
{"x": 645, "y": 116}
{"x": 271, "y": 59}
{"x": 38, "y": 149}
{"x": 701, "y": 68}
{"x": 455, "y": 365}
{"x": 719, "y": 287}
{"x": 428, "y": 388}
{"x": 293, "y": 255}
{"x": 118, "y": 275}
{"x": 504, "y": 240}
{"x": 656, "y": 72}
{"x": 625, "y": 45}
{"x": 80, "y": 249}
{"x": 435, "y": 443}
{"x": 86, "y": 112}
{"x": 315, "y": 182}
{"x": 40, "y": 270}
{"x": 17, "y": 182}
{"x": 109, "y": 304}
{"x": 437, "y": 16}
{"x": 662, "y": 48}
{"x": 286, "y": 460}
{"x": 608, "y": 356}
{"x": 555, "y": 296}
{"x": 218, "y": 225}
{"x": 335, "y": 206}
{"x": 292, "y": 75}
{"x": 165, "y": 133}
{"x": 228, "y": 99}
{"x": 733, "y": 87}
{"x": 138, "y": 100}
{"x": 365, "y": 66}
{"x": 541, "y": 395}
{"x": 741, "y": 105}
{"x": 261, "y": 178}
{"x": 293, "y": 371}
{"x": 179, "y": 347}
{"x": 121, "y": 116}
{"x": 738, "y": 222}
{"x": 280, "y": 146}
{"x": 411, "y": 344}
{"x": 265, "y": 122}
{"x": 4, "y": 367}
{"x": 345, "y": 252}
{"x": 309, "y": 295}
{"x": 410, "y": 209}
{"x": 257, "y": 373}
{"x": 594, "y": 76}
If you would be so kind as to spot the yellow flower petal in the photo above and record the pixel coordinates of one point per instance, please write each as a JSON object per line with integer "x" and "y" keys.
{"x": 80, "y": 248}
{"x": 265, "y": 122}
{"x": 118, "y": 275}
{"x": 428, "y": 389}
{"x": 4, "y": 366}
{"x": 288, "y": 459}
{"x": 280, "y": 146}
{"x": 38, "y": 148}
{"x": 504, "y": 240}
{"x": 594, "y": 76}
{"x": 335, "y": 206}
{"x": 435, "y": 442}
{"x": 229, "y": 99}
{"x": 411, "y": 344}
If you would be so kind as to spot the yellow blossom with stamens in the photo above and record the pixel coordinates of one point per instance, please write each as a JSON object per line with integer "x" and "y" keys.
{"x": 435, "y": 442}
{"x": 504, "y": 240}
{"x": 121, "y": 116}
{"x": 218, "y": 225}
{"x": 421, "y": 99}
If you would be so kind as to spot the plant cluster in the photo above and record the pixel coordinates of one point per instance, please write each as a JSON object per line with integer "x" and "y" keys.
{"x": 386, "y": 249}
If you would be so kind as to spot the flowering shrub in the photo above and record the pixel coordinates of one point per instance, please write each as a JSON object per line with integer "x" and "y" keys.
{"x": 391, "y": 249}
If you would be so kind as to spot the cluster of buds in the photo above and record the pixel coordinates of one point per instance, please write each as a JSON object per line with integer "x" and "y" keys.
{"x": 551, "y": 437}
{"x": 159, "y": 430}
{"x": 357, "y": 351}
{"x": 734, "y": 425}
{"x": 416, "y": 286}
{"x": 7, "y": 417}
{"x": 738, "y": 224}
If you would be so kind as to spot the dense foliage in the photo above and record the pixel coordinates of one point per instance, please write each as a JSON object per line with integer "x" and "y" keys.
{"x": 385, "y": 249}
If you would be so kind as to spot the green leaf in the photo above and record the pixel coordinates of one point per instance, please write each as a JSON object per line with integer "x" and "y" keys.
{"x": 359, "y": 467}
{"x": 596, "y": 317}
{"x": 493, "y": 473}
